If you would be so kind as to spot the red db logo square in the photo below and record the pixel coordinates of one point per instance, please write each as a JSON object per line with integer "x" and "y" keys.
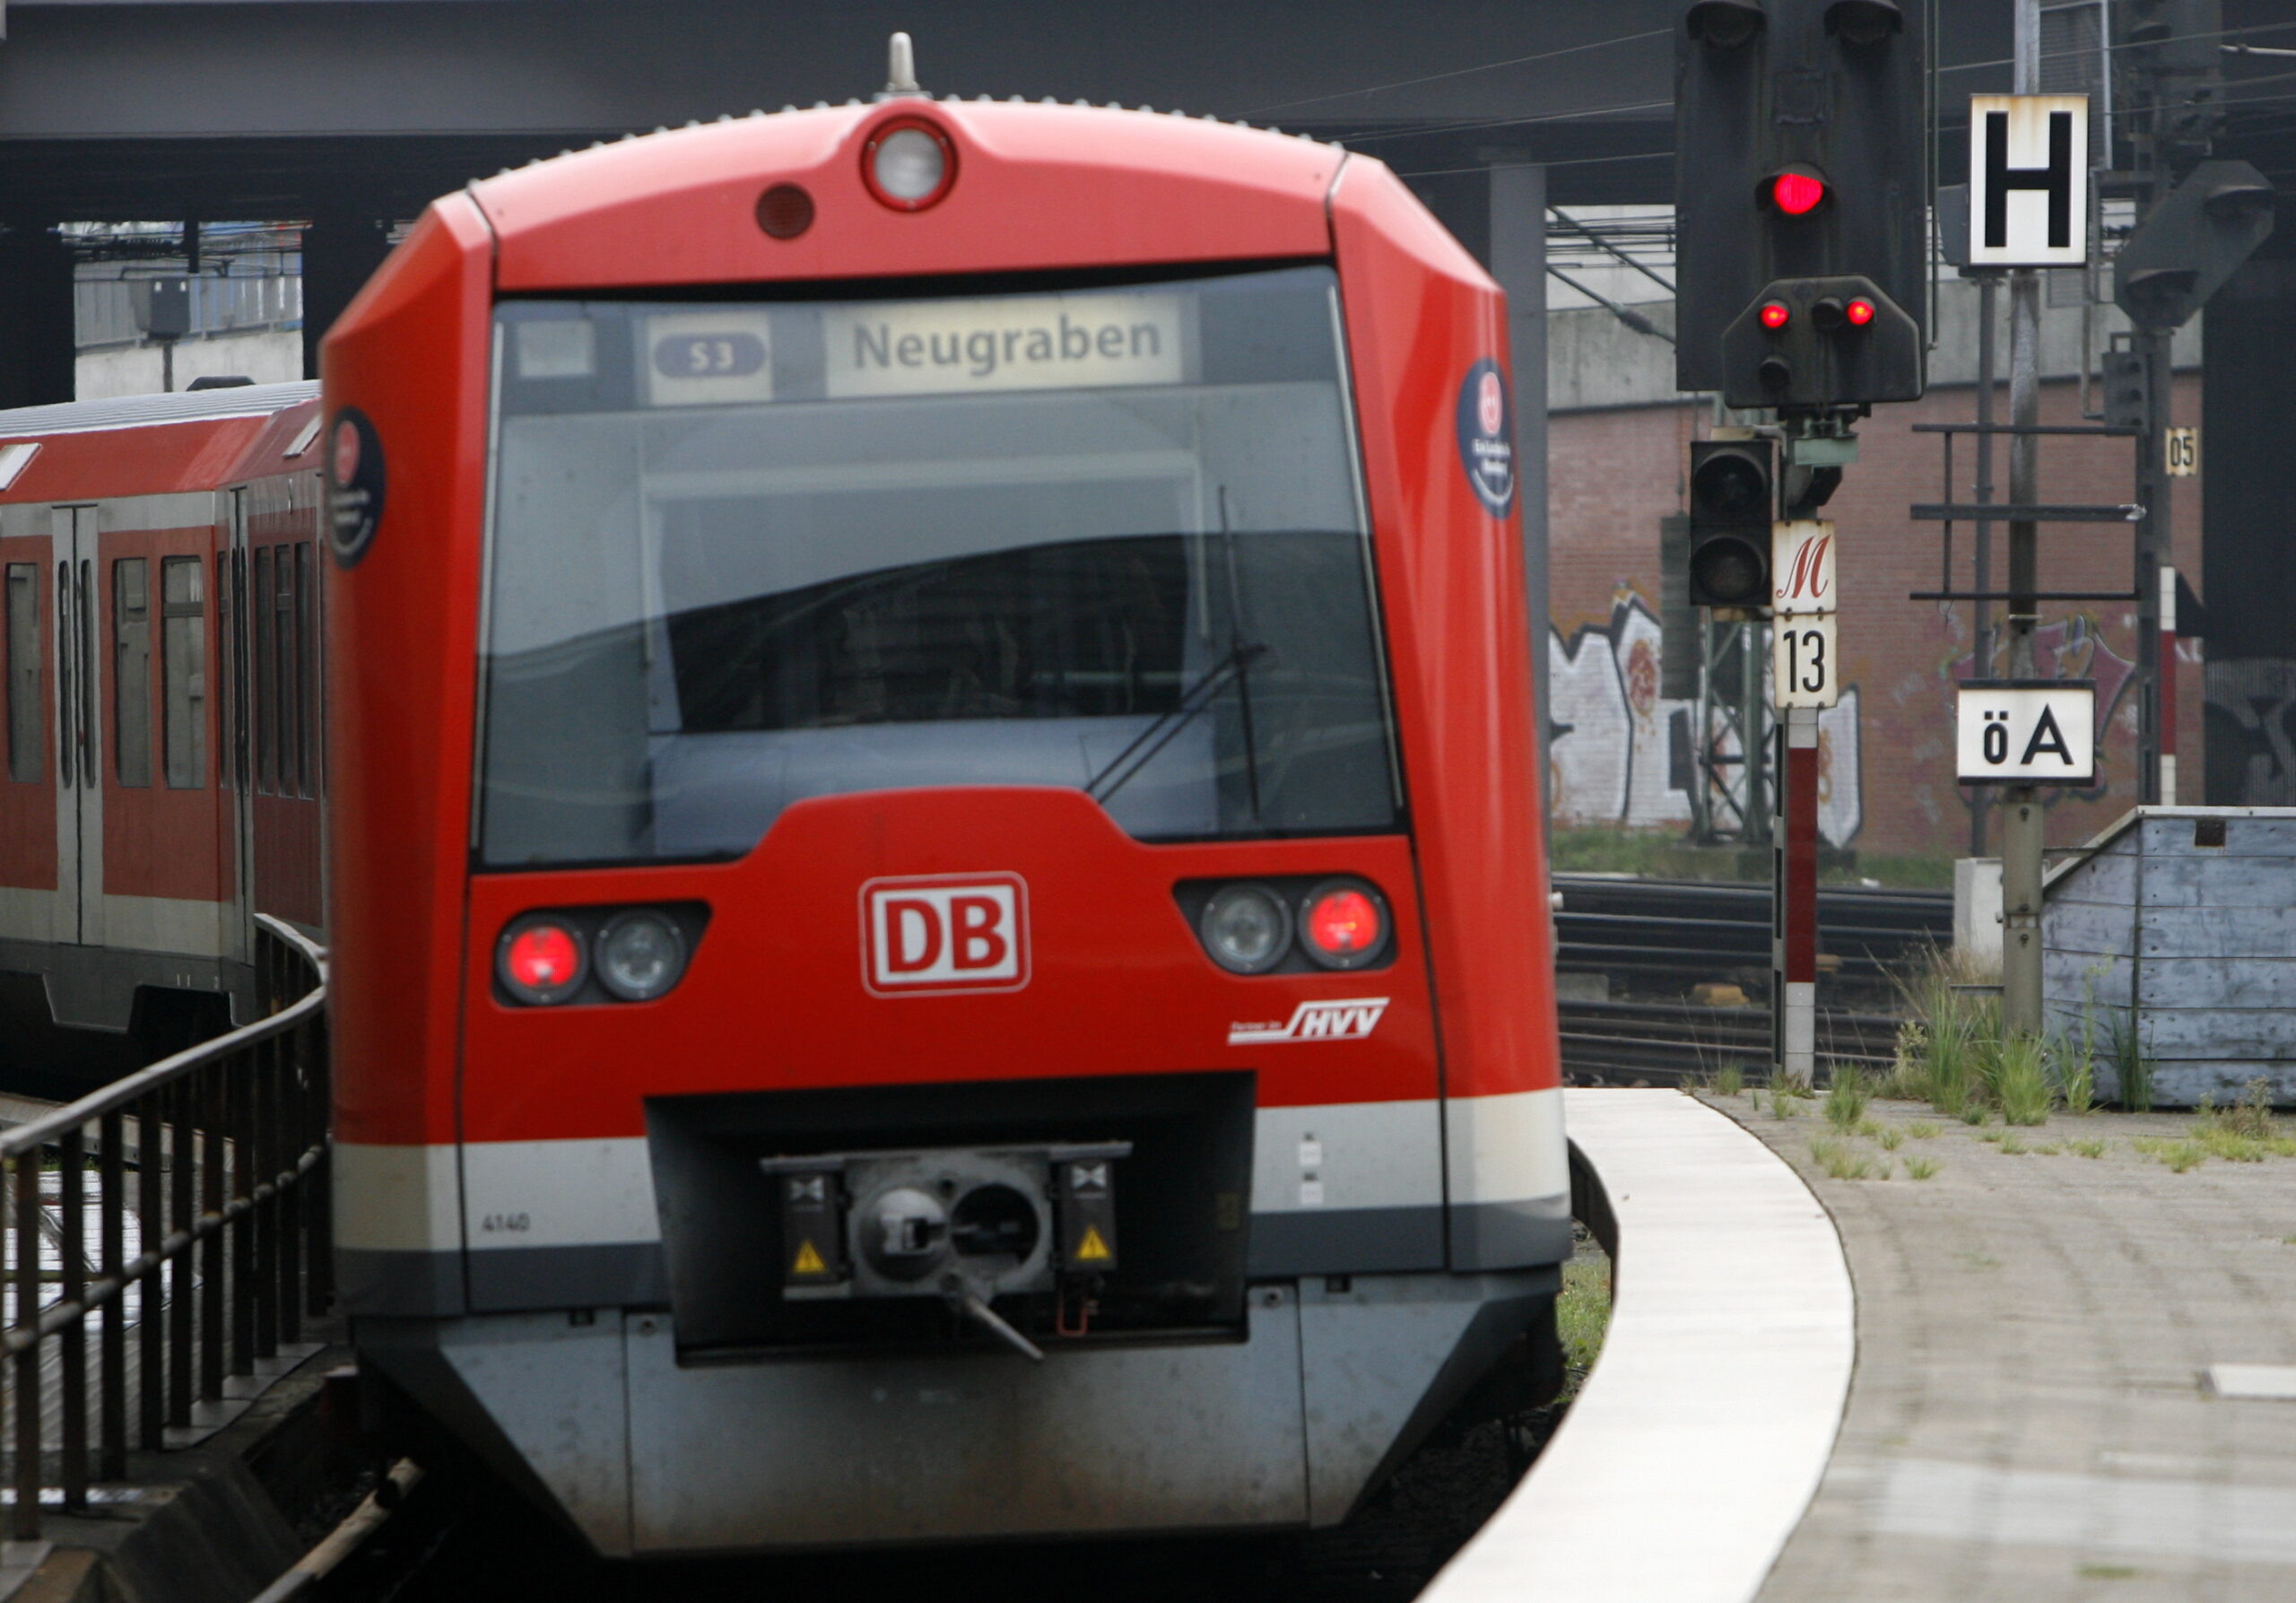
{"x": 945, "y": 932}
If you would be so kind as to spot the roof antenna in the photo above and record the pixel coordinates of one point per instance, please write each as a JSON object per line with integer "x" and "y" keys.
{"x": 901, "y": 84}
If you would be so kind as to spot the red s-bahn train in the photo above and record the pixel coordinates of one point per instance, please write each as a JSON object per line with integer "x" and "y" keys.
{"x": 161, "y": 566}
{"x": 938, "y": 899}
{"x": 932, "y": 840}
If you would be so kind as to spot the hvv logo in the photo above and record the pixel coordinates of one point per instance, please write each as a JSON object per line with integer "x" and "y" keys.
{"x": 945, "y": 932}
{"x": 1317, "y": 1021}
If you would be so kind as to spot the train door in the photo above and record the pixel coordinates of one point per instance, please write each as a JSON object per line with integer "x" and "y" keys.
{"x": 80, "y": 646}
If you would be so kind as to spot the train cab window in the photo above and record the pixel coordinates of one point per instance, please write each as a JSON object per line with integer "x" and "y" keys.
{"x": 131, "y": 681}
{"x": 27, "y": 719}
{"x": 183, "y": 671}
{"x": 267, "y": 692}
{"x": 1110, "y": 538}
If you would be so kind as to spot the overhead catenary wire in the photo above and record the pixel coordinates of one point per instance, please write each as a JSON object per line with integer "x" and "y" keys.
{"x": 1487, "y": 67}
{"x": 1625, "y": 314}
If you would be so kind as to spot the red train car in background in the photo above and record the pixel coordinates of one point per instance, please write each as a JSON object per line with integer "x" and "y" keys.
{"x": 932, "y": 763}
{"x": 162, "y": 712}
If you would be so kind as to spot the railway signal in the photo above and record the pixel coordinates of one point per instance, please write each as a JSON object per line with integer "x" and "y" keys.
{"x": 1732, "y": 500}
{"x": 1802, "y": 163}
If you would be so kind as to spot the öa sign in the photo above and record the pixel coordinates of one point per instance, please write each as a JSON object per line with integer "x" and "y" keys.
{"x": 2027, "y": 732}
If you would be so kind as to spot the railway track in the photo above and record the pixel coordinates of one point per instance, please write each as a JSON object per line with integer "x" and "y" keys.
{"x": 1665, "y": 936}
{"x": 1668, "y": 1042}
{"x": 1692, "y": 929}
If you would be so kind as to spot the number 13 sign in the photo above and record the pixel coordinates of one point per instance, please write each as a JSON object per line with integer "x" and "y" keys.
{"x": 1802, "y": 596}
{"x": 1802, "y": 657}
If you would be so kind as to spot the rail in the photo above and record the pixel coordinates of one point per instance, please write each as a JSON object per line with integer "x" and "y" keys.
{"x": 216, "y": 1158}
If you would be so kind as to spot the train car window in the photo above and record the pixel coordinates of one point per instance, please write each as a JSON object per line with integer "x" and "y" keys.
{"x": 267, "y": 692}
{"x": 306, "y": 652}
{"x": 287, "y": 641}
{"x": 748, "y": 554}
{"x": 183, "y": 671}
{"x": 27, "y": 729}
{"x": 131, "y": 681}
{"x": 227, "y": 659}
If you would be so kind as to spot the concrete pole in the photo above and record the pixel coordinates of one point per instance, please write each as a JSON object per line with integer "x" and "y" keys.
{"x": 1987, "y": 304}
{"x": 2021, "y": 810}
{"x": 2154, "y": 552}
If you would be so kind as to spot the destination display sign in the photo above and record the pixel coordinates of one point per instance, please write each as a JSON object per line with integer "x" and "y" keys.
{"x": 2026, "y": 732}
{"x": 1095, "y": 341}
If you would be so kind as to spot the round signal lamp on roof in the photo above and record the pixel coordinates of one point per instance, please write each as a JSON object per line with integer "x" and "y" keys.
{"x": 909, "y": 163}
{"x": 1796, "y": 193}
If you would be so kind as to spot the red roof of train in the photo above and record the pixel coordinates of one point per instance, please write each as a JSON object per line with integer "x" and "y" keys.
{"x": 1037, "y": 186}
{"x": 146, "y": 445}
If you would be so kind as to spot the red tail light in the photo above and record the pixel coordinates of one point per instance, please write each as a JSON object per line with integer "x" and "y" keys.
{"x": 540, "y": 961}
{"x": 1859, "y": 312}
{"x": 1775, "y": 315}
{"x": 1344, "y": 923}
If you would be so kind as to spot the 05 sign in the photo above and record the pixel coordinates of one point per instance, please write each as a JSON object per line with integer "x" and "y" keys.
{"x": 1802, "y": 661}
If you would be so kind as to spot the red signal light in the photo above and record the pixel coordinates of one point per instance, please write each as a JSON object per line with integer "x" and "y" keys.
{"x": 1797, "y": 193}
{"x": 1775, "y": 314}
{"x": 1859, "y": 312}
{"x": 541, "y": 963}
{"x": 1345, "y": 923}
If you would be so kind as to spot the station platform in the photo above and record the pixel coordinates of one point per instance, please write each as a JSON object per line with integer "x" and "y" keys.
{"x": 2075, "y": 1376}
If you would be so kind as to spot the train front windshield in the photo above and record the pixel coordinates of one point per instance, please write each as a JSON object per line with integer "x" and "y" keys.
{"x": 745, "y": 553}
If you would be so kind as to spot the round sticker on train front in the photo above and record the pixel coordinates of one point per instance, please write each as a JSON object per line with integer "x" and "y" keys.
{"x": 354, "y": 486}
{"x": 1487, "y": 437}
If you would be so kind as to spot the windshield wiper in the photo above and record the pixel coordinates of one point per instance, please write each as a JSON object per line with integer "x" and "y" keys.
{"x": 1127, "y": 764}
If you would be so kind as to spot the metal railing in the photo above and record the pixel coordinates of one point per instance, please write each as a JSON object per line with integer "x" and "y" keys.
{"x": 215, "y": 1161}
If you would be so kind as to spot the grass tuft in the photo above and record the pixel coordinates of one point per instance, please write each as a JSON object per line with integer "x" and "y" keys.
{"x": 2090, "y": 1149}
{"x": 1921, "y": 1129}
{"x": 1890, "y": 1138}
{"x": 2179, "y": 1155}
{"x": 1839, "y": 1160}
{"x": 2131, "y": 1066}
{"x": 1729, "y": 1080}
{"x": 2013, "y": 1143}
{"x": 1847, "y": 1097}
{"x": 1920, "y": 1168}
{"x": 2017, "y": 1075}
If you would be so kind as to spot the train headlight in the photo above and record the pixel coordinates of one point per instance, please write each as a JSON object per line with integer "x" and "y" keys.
{"x": 641, "y": 956}
{"x": 540, "y": 961}
{"x": 908, "y": 164}
{"x": 1245, "y": 928}
{"x": 1344, "y": 923}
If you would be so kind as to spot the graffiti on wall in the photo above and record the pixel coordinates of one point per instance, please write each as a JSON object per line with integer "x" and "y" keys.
{"x": 2251, "y": 712}
{"x": 1621, "y": 754}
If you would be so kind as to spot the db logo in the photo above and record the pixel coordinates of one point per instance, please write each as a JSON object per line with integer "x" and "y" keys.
{"x": 945, "y": 932}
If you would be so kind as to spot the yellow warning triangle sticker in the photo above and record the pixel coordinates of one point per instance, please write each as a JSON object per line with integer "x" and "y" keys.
{"x": 809, "y": 1262}
{"x": 1092, "y": 1247}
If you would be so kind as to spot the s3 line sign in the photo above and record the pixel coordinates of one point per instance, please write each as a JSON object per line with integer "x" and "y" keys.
{"x": 945, "y": 932}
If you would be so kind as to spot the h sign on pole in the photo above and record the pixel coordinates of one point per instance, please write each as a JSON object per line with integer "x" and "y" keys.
{"x": 2029, "y": 180}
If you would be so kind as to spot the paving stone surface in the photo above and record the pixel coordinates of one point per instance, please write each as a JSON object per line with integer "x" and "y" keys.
{"x": 2030, "y": 1417}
